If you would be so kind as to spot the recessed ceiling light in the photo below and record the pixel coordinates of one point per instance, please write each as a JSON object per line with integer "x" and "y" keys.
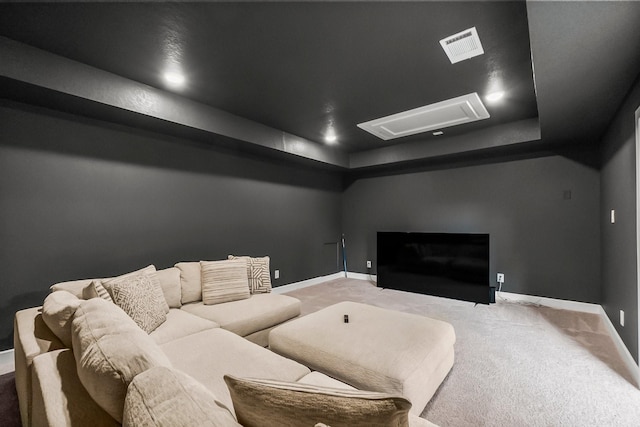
{"x": 174, "y": 79}
{"x": 438, "y": 133}
{"x": 331, "y": 138}
{"x": 494, "y": 96}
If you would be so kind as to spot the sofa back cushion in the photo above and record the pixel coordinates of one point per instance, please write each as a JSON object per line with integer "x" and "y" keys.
{"x": 190, "y": 282}
{"x": 76, "y": 287}
{"x": 164, "y": 397}
{"x": 110, "y": 350}
{"x": 224, "y": 281}
{"x": 169, "y": 279}
{"x": 57, "y": 312}
{"x": 275, "y": 403}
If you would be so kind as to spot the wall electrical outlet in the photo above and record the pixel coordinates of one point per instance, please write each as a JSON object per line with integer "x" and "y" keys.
{"x": 276, "y": 274}
{"x": 500, "y": 277}
{"x": 368, "y": 264}
{"x": 621, "y": 317}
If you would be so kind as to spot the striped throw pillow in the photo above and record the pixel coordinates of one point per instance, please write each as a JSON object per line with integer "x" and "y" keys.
{"x": 224, "y": 281}
{"x": 258, "y": 273}
{"x": 95, "y": 289}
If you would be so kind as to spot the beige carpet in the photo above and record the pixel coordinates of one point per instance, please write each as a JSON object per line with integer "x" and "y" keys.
{"x": 516, "y": 364}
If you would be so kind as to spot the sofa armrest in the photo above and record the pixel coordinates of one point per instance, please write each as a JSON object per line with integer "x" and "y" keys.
{"x": 59, "y": 399}
{"x": 31, "y": 337}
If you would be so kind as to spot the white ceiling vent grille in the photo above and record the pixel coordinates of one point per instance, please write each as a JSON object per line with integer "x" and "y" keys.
{"x": 463, "y": 45}
{"x": 452, "y": 112}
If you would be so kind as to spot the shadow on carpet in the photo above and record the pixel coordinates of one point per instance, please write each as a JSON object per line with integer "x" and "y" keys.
{"x": 9, "y": 412}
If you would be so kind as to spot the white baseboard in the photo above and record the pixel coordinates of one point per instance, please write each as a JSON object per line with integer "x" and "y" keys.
{"x": 584, "y": 307}
{"x": 363, "y": 276}
{"x": 627, "y": 358}
{"x": 6, "y": 358}
{"x": 305, "y": 283}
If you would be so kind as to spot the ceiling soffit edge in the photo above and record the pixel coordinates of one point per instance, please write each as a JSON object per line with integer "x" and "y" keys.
{"x": 527, "y": 130}
{"x": 33, "y": 66}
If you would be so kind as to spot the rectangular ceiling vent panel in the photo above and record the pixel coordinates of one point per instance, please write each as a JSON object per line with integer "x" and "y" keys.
{"x": 463, "y": 45}
{"x": 452, "y": 112}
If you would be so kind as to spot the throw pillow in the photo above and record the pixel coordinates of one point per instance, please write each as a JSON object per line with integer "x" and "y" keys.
{"x": 164, "y": 397}
{"x": 95, "y": 289}
{"x": 258, "y": 273}
{"x": 110, "y": 350}
{"x": 152, "y": 276}
{"x": 224, "y": 281}
{"x": 190, "y": 281}
{"x": 142, "y": 299}
{"x": 274, "y": 403}
{"x": 57, "y": 312}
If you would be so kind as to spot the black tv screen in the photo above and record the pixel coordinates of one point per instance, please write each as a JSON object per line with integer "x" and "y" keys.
{"x": 451, "y": 265}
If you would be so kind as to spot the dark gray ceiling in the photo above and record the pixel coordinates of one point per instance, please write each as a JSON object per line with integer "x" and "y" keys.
{"x": 297, "y": 67}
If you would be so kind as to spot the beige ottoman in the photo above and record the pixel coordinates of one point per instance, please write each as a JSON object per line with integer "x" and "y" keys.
{"x": 378, "y": 350}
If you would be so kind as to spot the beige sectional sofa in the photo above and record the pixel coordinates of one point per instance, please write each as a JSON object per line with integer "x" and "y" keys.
{"x": 81, "y": 360}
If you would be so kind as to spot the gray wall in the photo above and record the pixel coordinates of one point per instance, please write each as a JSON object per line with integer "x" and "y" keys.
{"x": 85, "y": 199}
{"x": 545, "y": 244}
{"x": 618, "y": 182}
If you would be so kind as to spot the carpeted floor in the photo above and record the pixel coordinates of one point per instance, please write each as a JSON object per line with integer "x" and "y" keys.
{"x": 9, "y": 413}
{"x": 516, "y": 364}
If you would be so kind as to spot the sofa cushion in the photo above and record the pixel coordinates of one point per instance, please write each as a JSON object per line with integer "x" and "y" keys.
{"x": 76, "y": 287}
{"x": 190, "y": 281}
{"x": 258, "y": 273}
{"x": 164, "y": 397}
{"x": 169, "y": 279}
{"x": 208, "y": 355}
{"x": 224, "y": 281}
{"x": 247, "y": 316}
{"x": 31, "y": 337}
{"x": 57, "y": 312}
{"x": 179, "y": 323}
{"x": 267, "y": 403}
{"x": 319, "y": 379}
{"x": 110, "y": 350}
{"x": 59, "y": 399}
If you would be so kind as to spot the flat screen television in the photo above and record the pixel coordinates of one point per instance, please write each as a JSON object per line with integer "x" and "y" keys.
{"x": 451, "y": 265}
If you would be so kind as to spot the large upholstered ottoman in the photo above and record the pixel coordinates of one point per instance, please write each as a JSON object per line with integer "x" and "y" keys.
{"x": 377, "y": 350}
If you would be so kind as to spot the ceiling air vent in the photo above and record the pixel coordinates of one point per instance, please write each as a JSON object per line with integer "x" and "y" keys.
{"x": 463, "y": 45}
{"x": 452, "y": 112}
